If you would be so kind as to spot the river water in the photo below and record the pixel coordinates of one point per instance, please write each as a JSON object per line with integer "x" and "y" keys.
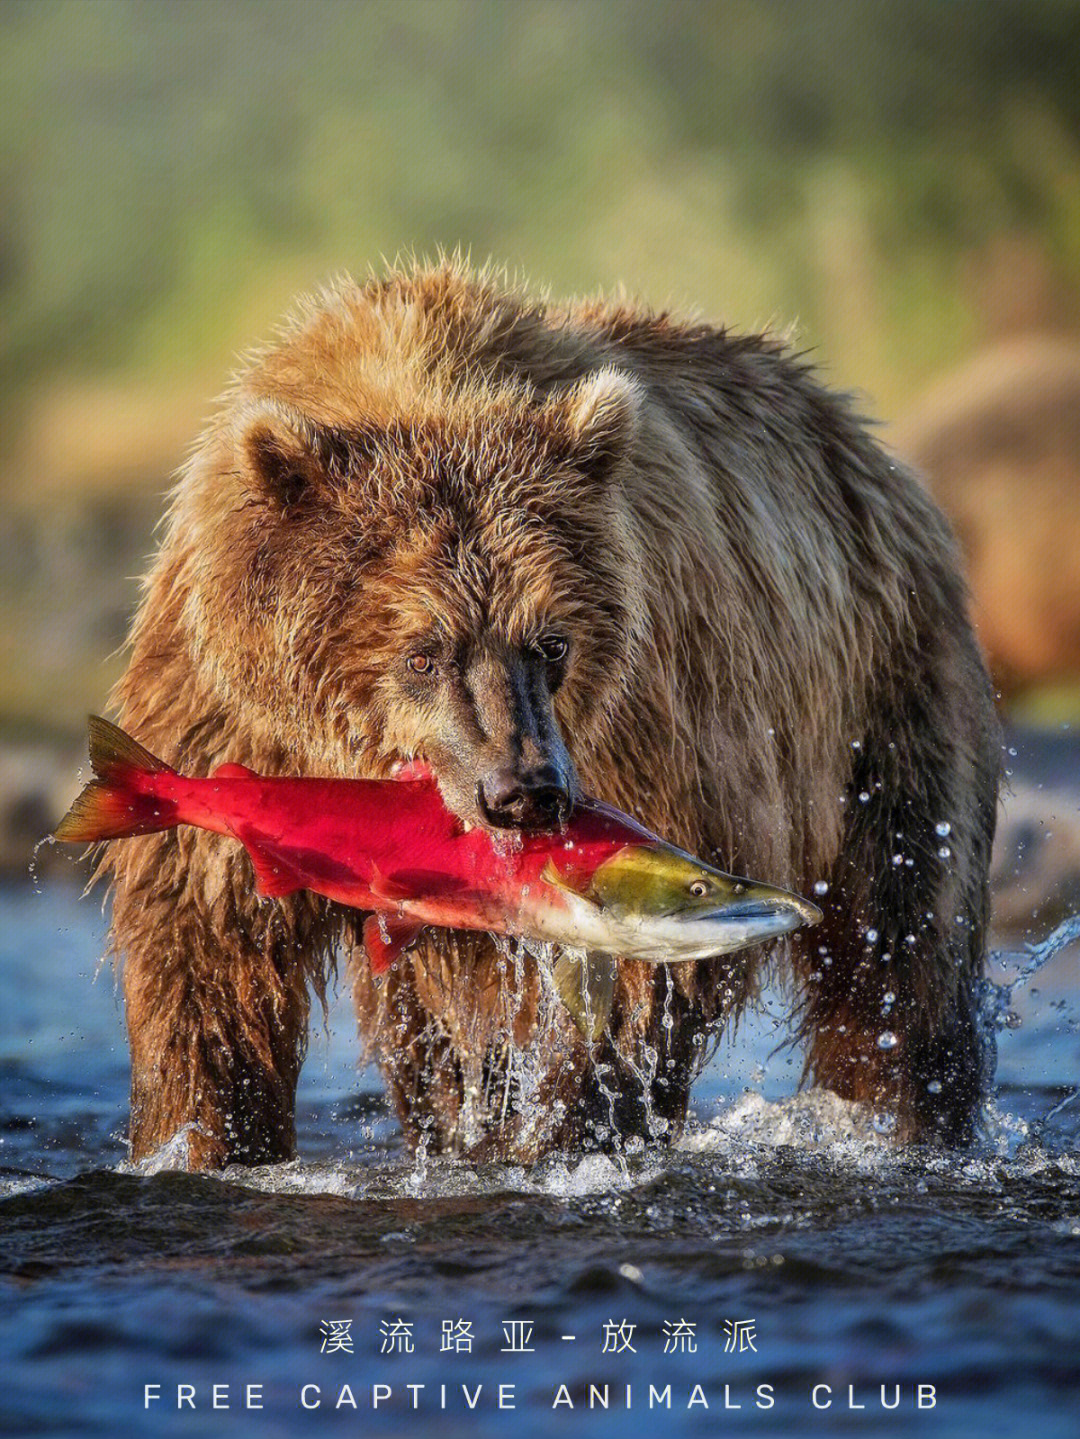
{"x": 782, "y": 1271}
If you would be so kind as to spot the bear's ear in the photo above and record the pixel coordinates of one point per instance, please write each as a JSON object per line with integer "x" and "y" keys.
{"x": 599, "y": 418}
{"x": 283, "y": 452}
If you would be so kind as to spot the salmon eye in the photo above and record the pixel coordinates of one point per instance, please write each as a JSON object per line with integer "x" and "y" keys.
{"x": 421, "y": 664}
{"x": 699, "y": 888}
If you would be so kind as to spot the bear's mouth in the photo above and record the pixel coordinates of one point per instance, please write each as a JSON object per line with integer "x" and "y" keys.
{"x": 414, "y": 767}
{"x": 547, "y": 800}
{"x": 418, "y": 767}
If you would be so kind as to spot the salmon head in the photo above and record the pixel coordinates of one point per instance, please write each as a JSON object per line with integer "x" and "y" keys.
{"x": 651, "y": 901}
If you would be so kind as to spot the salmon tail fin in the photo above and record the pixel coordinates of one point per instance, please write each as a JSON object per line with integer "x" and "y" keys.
{"x": 112, "y": 806}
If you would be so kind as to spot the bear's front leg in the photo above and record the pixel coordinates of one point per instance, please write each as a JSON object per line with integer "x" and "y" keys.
{"x": 216, "y": 993}
{"x": 893, "y": 971}
{"x": 881, "y": 1039}
{"x": 482, "y": 1060}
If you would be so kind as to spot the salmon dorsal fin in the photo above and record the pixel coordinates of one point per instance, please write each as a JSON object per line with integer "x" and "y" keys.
{"x": 385, "y": 939}
{"x": 233, "y": 771}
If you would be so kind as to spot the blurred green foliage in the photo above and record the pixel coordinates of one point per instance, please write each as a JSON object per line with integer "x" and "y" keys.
{"x": 171, "y": 172}
{"x": 899, "y": 178}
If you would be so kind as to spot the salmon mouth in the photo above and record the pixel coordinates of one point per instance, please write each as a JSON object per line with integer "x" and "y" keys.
{"x": 796, "y": 910}
{"x": 721, "y": 929}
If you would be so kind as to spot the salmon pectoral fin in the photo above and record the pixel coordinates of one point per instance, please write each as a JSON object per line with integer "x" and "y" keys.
{"x": 385, "y": 939}
{"x": 273, "y": 877}
{"x": 586, "y": 986}
{"x": 413, "y": 884}
{"x": 389, "y": 889}
{"x": 575, "y": 884}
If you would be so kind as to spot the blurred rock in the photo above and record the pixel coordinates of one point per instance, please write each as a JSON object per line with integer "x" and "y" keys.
{"x": 999, "y": 444}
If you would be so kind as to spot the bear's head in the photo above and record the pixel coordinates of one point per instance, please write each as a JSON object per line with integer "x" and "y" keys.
{"x": 460, "y": 583}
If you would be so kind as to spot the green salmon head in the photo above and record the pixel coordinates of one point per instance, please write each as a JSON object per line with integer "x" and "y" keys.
{"x": 660, "y": 904}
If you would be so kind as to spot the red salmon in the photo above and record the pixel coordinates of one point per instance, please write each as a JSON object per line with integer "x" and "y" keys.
{"x": 603, "y": 883}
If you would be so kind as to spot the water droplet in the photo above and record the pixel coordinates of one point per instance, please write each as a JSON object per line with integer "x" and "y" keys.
{"x": 856, "y": 744}
{"x": 943, "y": 829}
{"x": 887, "y": 1040}
{"x": 864, "y": 798}
{"x": 871, "y": 936}
{"x": 944, "y": 852}
{"x": 884, "y": 1123}
{"x": 898, "y": 859}
{"x": 889, "y": 997}
{"x": 821, "y": 886}
{"x": 934, "y": 1087}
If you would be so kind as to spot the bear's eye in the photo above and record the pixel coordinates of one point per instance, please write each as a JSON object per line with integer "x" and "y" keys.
{"x": 421, "y": 664}
{"x": 552, "y": 648}
{"x": 699, "y": 888}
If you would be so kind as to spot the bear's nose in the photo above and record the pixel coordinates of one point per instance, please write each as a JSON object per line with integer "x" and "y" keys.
{"x": 524, "y": 799}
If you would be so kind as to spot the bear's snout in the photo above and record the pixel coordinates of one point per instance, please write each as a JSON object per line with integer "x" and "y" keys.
{"x": 513, "y": 797}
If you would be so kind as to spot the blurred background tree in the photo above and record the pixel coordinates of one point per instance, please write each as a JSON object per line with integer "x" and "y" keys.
{"x": 897, "y": 180}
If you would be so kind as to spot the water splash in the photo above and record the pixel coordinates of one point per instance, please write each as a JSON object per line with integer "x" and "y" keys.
{"x": 1061, "y": 1105}
{"x": 174, "y": 1154}
{"x": 815, "y": 1119}
{"x": 32, "y": 868}
{"x": 1036, "y": 955}
{"x": 995, "y": 1008}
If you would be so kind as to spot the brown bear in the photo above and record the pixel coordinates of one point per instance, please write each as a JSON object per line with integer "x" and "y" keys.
{"x": 556, "y": 549}
{"x": 999, "y": 442}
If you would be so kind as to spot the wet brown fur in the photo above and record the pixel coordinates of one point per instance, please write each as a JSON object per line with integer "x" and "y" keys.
{"x": 767, "y": 621}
